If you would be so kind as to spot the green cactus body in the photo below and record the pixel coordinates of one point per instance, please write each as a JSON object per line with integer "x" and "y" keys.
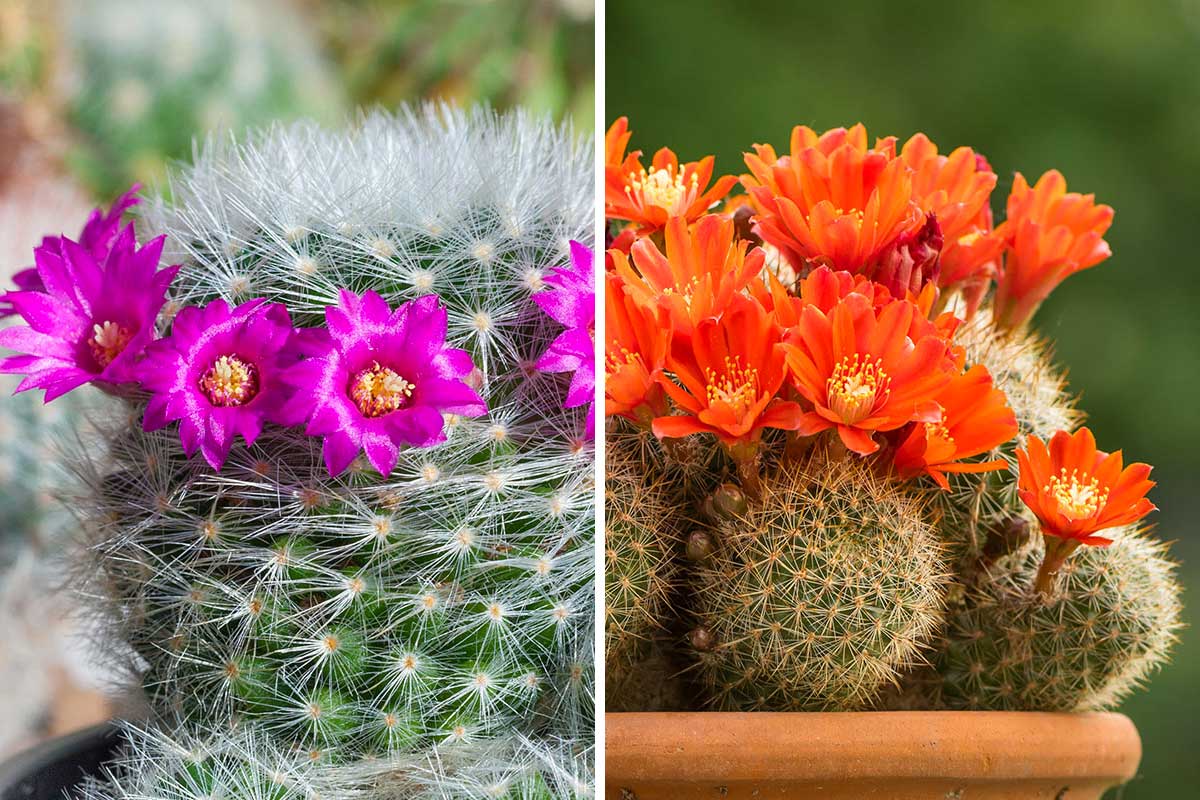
{"x": 641, "y": 538}
{"x": 821, "y": 594}
{"x": 363, "y": 616}
{"x": 1110, "y": 622}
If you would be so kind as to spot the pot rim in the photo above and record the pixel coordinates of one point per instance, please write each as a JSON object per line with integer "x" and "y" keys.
{"x": 701, "y": 747}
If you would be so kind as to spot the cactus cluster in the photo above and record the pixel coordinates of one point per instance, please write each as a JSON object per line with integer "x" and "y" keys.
{"x": 299, "y": 630}
{"x": 828, "y": 409}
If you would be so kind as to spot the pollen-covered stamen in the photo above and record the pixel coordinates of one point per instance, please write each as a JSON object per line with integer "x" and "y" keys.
{"x": 856, "y": 388}
{"x": 230, "y": 381}
{"x": 379, "y": 390}
{"x": 1078, "y": 496}
{"x": 737, "y": 387}
{"x": 617, "y": 358}
{"x": 108, "y": 341}
{"x": 938, "y": 431}
{"x": 664, "y": 188}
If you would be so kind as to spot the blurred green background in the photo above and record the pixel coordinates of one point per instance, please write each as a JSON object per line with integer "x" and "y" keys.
{"x": 119, "y": 88}
{"x": 1109, "y": 93}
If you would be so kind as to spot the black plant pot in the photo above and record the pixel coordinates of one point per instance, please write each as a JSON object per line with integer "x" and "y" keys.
{"x": 46, "y": 771}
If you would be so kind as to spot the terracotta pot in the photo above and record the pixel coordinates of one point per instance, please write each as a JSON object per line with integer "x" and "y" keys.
{"x": 899, "y": 755}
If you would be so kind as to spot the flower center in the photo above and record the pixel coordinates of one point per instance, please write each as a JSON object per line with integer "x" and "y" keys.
{"x": 737, "y": 387}
{"x": 107, "y": 342}
{"x": 663, "y": 188}
{"x": 230, "y": 381}
{"x": 1078, "y": 496}
{"x": 855, "y": 387}
{"x": 378, "y": 390}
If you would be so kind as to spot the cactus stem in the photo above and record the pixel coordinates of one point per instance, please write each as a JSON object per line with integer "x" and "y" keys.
{"x": 797, "y": 447}
{"x": 1057, "y": 551}
{"x": 748, "y": 475}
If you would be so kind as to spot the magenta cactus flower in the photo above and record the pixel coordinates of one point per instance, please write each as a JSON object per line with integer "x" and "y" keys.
{"x": 220, "y": 374}
{"x": 380, "y": 379}
{"x": 97, "y": 238}
{"x": 572, "y": 302}
{"x": 93, "y": 319}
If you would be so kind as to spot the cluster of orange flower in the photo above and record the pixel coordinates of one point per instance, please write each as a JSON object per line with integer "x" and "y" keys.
{"x": 818, "y": 301}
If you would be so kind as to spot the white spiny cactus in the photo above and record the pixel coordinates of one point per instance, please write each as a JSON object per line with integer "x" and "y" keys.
{"x": 363, "y": 616}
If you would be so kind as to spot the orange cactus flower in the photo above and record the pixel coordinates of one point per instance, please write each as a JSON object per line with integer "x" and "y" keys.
{"x": 729, "y": 380}
{"x": 616, "y": 139}
{"x": 823, "y": 288}
{"x": 975, "y": 419}
{"x": 703, "y": 268}
{"x": 862, "y": 371}
{"x": 956, "y": 189}
{"x": 638, "y": 339}
{"x": 1076, "y": 491}
{"x": 1049, "y": 234}
{"x": 832, "y": 200}
{"x": 648, "y": 198}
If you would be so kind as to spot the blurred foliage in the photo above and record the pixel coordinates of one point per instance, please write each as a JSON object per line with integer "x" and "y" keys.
{"x": 1109, "y": 93}
{"x": 147, "y": 76}
{"x": 23, "y": 43}
{"x": 129, "y": 84}
{"x": 533, "y": 53}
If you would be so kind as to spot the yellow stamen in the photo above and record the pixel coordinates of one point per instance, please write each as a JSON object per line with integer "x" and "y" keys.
{"x": 664, "y": 188}
{"x": 230, "y": 381}
{"x": 379, "y": 390}
{"x": 856, "y": 387}
{"x": 107, "y": 342}
{"x": 938, "y": 430}
{"x": 737, "y": 387}
{"x": 616, "y": 358}
{"x": 1078, "y": 496}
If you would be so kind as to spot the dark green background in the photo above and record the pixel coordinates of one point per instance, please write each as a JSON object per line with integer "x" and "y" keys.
{"x": 1109, "y": 93}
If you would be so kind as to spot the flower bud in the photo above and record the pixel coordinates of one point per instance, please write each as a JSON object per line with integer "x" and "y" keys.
{"x": 700, "y": 546}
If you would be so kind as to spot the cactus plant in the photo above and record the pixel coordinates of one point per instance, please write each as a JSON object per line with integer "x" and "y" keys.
{"x": 1021, "y": 363}
{"x": 640, "y": 567}
{"x": 920, "y": 520}
{"x": 1107, "y": 626}
{"x": 416, "y": 574}
{"x": 822, "y": 594}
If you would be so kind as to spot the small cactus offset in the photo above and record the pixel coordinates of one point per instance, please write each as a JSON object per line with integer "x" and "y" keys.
{"x": 900, "y": 508}
{"x": 347, "y": 508}
{"x": 1098, "y": 637}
